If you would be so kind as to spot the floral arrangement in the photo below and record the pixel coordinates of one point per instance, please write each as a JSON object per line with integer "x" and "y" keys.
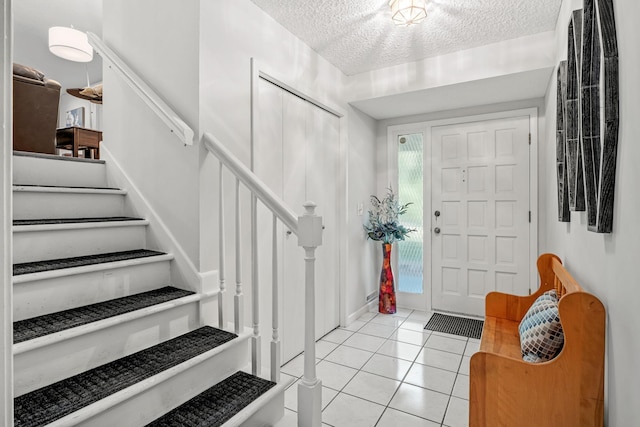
{"x": 383, "y": 219}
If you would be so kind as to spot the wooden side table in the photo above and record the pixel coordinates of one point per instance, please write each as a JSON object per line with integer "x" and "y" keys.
{"x": 75, "y": 138}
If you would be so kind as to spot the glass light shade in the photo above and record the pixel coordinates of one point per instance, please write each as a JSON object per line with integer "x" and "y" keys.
{"x": 408, "y": 12}
{"x": 70, "y": 44}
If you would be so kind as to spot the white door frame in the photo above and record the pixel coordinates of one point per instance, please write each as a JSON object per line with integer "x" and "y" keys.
{"x": 6, "y": 249}
{"x": 425, "y": 128}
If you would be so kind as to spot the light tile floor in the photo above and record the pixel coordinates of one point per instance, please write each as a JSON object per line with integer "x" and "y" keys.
{"x": 387, "y": 371}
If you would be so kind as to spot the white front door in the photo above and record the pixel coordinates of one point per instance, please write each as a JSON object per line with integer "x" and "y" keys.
{"x": 479, "y": 212}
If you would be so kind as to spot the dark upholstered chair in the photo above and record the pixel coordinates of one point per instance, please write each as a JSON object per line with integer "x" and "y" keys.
{"x": 35, "y": 110}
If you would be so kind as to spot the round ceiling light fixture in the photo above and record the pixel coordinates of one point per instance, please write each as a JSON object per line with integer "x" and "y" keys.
{"x": 408, "y": 12}
{"x": 70, "y": 44}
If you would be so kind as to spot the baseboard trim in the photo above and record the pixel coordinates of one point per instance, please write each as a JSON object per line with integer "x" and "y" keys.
{"x": 371, "y": 306}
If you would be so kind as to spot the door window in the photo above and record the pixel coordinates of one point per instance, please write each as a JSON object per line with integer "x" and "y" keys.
{"x": 410, "y": 185}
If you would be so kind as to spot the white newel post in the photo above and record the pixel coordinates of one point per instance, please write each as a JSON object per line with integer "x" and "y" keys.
{"x": 310, "y": 389}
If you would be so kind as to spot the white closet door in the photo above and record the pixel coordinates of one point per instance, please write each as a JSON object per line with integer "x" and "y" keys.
{"x": 294, "y": 151}
{"x": 268, "y": 166}
{"x": 297, "y": 155}
{"x": 323, "y": 188}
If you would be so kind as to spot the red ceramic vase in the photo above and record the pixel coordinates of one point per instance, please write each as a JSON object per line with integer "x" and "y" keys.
{"x": 387, "y": 297}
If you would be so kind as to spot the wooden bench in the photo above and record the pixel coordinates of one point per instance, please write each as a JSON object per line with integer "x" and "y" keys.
{"x": 567, "y": 391}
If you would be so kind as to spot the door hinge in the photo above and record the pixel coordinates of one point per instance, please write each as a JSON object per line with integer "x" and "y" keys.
{"x": 529, "y": 216}
{"x": 529, "y": 139}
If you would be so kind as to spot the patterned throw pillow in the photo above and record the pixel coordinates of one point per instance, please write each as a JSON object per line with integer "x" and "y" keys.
{"x": 541, "y": 336}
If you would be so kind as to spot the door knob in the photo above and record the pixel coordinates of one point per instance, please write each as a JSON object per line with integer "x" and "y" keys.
{"x": 437, "y": 214}
{"x": 289, "y": 232}
{"x": 436, "y": 230}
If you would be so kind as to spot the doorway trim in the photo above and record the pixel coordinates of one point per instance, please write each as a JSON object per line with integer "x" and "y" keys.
{"x": 259, "y": 71}
{"x": 6, "y": 147}
{"x": 426, "y": 127}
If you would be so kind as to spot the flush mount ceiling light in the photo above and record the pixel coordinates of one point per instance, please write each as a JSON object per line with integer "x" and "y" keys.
{"x": 70, "y": 44}
{"x": 408, "y": 12}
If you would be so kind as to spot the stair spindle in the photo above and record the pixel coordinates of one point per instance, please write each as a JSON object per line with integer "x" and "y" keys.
{"x": 238, "y": 297}
{"x": 255, "y": 290}
{"x": 221, "y": 249}
{"x": 275, "y": 338}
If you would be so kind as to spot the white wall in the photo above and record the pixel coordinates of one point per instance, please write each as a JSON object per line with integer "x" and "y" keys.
{"x": 364, "y": 258}
{"x": 484, "y": 62}
{"x": 160, "y": 44}
{"x": 231, "y": 34}
{"x": 606, "y": 264}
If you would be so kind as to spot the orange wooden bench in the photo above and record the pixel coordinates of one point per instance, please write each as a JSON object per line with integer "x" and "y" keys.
{"x": 567, "y": 391}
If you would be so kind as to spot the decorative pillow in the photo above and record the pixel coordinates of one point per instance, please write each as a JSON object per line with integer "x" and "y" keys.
{"x": 541, "y": 336}
{"x": 548, "y": 296}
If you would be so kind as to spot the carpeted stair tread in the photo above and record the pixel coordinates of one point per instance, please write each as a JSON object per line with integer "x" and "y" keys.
{"x": 218, "y": 404}
{"x": 57, "y": 264}
{"x": 50, "y": 403}
{"x": 40, "y": 326}
{"x": 47, "y": 221}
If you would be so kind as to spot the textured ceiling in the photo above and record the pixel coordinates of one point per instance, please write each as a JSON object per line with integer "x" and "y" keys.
{"x": 358, "y": 35}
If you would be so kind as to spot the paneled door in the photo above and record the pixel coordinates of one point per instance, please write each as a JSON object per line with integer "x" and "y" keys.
{"x": 297, "y": 155}
{"x": 480, "y": 212}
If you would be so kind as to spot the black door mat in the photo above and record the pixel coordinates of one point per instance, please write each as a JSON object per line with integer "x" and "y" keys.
{"x": 470, "y": 328}
{"x": 18, "y": 222}
{"x": 217, "y": 405}
{"x": 40, "y": 326}
{"x": 50, "y": 403}
{"x": 57, "y": 264}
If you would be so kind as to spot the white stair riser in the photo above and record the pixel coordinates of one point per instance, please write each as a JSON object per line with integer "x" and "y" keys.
{"x": 51, "y": 295}
{"x": 53, "y": 244}
{"x": 149, "y": 405}
{"x": 36, "y": 205}
{"x": 267, "y": 415}
{"x": 46, "y": 365}
{"x": 38, "y": 171}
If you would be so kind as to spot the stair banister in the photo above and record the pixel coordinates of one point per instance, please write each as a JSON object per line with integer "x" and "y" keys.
{"x": 252, "y": 182}
{"x": 173, "y": 121}
{"x": 308, "y": 229}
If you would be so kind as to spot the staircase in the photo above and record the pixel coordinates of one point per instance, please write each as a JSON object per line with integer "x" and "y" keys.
{"x": 101, "y": 335}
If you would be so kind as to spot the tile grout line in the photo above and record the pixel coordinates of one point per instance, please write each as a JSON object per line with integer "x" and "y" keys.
{"x": 375, "y": 352}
